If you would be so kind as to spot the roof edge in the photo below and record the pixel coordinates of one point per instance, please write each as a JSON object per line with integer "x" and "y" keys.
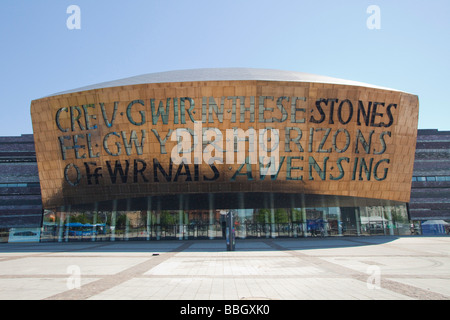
{"x": 222, "y": 74}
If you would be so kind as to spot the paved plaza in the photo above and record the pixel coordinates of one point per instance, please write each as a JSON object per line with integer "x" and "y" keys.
{"x": 355, "y": 268}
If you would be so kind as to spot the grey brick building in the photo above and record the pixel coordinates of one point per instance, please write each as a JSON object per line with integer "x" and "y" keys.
{"x": 20, "y": 195}
{"x": 430, "y": 192}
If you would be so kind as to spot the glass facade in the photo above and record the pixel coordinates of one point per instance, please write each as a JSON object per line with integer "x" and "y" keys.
{"x": 153, "y": 225}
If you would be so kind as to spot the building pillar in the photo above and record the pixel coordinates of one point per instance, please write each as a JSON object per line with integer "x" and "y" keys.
{"x": 339, "y": 221}
{"x": 272, "y": 217}
{"x": 325, "y": 219}
{"x": 94, "y": 222}
{"x": 158, "y": 220}
{"x": 390, "y": 222}
{"x": 113, "y": 221}
{"x": 61, "y": 224}
{"x": 149, "y": 218}
{"x": 211, "y": 216}
{"x": 358, "y": 221}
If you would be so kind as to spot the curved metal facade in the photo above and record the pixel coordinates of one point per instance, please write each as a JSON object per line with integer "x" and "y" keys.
{"x": 329, "y": 144}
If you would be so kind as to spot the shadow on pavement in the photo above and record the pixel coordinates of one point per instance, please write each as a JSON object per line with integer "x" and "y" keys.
{"x": 242, "y": 245}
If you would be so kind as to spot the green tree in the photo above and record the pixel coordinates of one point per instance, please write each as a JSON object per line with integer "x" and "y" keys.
{"x": 281, "y": 216}
{"x": 167, "y": 218}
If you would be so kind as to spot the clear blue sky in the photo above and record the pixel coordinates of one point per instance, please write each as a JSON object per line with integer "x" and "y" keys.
{"x": 118, "y": 39}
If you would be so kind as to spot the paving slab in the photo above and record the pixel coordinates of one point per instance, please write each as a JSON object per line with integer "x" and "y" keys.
{"x": 345, "y": 268}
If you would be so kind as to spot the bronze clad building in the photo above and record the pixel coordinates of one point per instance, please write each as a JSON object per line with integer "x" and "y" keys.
{"x": 289, "y": 153}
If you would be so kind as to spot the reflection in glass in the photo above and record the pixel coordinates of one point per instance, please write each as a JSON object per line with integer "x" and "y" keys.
{"x": 153, "y": 224}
